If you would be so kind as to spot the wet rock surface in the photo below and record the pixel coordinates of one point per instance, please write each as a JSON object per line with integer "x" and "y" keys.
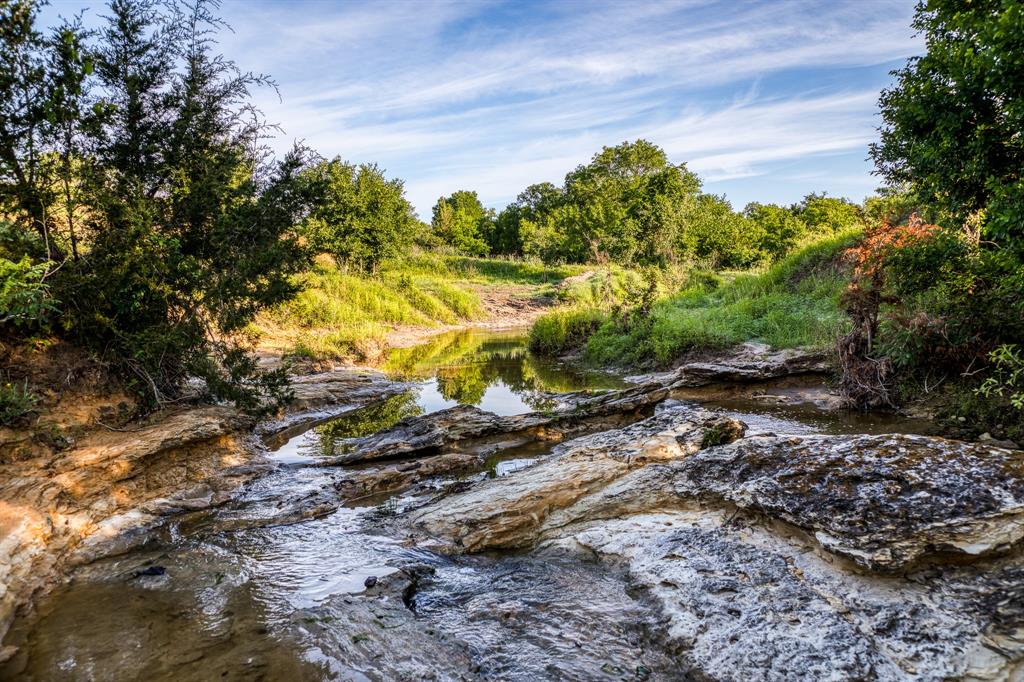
{"x": 615, "y": 535}
{"x": 781, "y": 557}
{"x": 508, "y": 512}
{"x": 466, "y": 426}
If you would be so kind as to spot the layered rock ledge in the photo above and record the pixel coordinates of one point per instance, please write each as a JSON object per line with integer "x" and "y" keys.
{"x": 781, "y": 557}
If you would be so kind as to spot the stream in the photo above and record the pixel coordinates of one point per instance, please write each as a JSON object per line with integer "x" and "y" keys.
{"x": 241, "y": 593}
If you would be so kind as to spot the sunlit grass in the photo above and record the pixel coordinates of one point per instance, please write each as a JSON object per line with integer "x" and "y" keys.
{"x": 793, "y": 303}
{"x": 346, "y": 315}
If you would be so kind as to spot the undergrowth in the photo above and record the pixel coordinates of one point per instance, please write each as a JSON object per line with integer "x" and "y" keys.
{"x": 793, "y": 303}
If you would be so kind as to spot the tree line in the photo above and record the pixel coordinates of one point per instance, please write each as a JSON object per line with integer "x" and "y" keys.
{"x": 630, "y": 205}
{"x": 144, "y": 218}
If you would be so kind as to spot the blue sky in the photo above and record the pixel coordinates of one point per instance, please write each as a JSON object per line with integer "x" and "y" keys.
{"x": 767, "y": 101}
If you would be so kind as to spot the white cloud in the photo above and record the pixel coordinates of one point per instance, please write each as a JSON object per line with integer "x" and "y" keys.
{"x": 496, "y": 95}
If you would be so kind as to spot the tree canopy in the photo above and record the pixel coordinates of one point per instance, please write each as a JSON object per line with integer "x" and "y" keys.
{"x": 462, "y": 222}
{"x": 133, "y": 166}
{"x": 359, "y": 217}
{"x": 953, "y": 119}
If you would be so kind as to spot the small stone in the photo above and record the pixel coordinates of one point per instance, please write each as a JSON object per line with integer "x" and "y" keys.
{"x": 370, "y": 581}
{"x": 985, "y": 437}
{"x": 150, "y": 571}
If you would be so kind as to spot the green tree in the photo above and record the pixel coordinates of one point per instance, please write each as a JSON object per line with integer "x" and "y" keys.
{"x": 953, "y": 119}
{"x": 462, "y": 221}
{"x": 627, "y": 205}
{"x": 359, "y": 217}
{"x": 535, "y": 204}
{"x": 141, "y": 157}
{"x": 781, "y": 229}
{"x": 716, "y": 233}
{"x": 827, "y": 215}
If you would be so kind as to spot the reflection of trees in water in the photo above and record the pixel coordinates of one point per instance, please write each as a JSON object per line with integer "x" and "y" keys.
{"x": 367, "y": 420}
{"x": 466, "y": 363}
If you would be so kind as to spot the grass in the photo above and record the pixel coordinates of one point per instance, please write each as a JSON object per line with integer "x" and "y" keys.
{"x": 348, "y": 315}
{"x": 793, "y": 303}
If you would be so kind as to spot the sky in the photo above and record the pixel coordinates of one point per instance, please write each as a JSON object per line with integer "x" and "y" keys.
{"x": 766, "y": 101}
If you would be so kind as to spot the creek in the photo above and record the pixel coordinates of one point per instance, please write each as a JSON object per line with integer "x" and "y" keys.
{"x": 245, "y": 592}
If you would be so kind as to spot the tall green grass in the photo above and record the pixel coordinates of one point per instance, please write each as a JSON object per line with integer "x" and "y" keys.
{"x": 346, "y": 315}
{"x": 793, "y": 303}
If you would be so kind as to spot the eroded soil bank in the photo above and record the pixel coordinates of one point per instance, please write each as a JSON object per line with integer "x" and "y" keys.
{"x": 483, "y": 514}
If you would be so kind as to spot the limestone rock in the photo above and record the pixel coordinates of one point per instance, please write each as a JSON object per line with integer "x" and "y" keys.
{"x": 744, "y": 601}
{"x": 465, "y": 426}
{"x": 509, "y": 512}
{"x": 883, "y": 501}
{"x": 751, "y": 362}
{"x": 84, "y": 502}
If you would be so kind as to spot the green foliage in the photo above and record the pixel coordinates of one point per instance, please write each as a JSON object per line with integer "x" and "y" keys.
{"x": 534, "y": 204}
{"x": 359, "y": 217}
{"x": 626, "y": 206}
{"x": 632, "y": 207}
{"x": 565, "y": 329}
{"x": 825, "y": 215}
{"x": 794, "y": 303}
{"x": 1007, "y": 379}
{"x": 25, "y": 301}
{"x": 133, "y": 155}
{"x": 953, "y": 119}
{"x": 780, "y": 228}
{"x": 716, "y": 234}
{"x": 17, "y": 403}
{"x": 462, "y": 222}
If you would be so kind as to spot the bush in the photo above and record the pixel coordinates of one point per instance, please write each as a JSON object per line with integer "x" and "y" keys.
{"x": 793, "y": 303}
{"x": 25, "y": 300}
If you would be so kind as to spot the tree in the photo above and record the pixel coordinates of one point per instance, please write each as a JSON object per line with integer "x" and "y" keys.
{"x": 359, "y": 217}
{"x": 827, "y": 215}
{"x": 535, "y": 203}
{"x": 626, "y": 205}
{"x": 781, "y": 229}
{"x": 143, "y": 157}
{"x": 462, "y": 221}
{"x": 716, "y": 233}
{"x": 953, "y": 119}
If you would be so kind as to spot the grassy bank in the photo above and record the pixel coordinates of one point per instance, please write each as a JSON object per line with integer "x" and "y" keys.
{"x": 793, "y": 303}
{"x": 344, "y": 315}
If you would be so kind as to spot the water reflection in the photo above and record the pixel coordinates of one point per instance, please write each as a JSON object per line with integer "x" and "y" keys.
{"x": 492, "y": 370}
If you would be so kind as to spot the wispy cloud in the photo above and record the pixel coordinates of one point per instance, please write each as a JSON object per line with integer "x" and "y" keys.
{"x": 494, "y": 95}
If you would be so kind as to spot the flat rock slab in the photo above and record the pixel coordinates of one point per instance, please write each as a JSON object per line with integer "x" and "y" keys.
{"x": 509, "y": 512}
{"x": 746, "y": 363}
{"x": 741, "y": 601}
{"x": 884, "y": 501}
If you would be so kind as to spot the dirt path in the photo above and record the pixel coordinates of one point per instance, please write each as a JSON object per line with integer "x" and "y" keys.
{"x": 506, "y": 307}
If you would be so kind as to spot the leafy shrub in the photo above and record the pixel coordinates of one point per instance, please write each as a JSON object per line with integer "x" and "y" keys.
{"x": 1007, "y": 378}
{"x": 793, "y": 303}
{"x": 25, "y": 300}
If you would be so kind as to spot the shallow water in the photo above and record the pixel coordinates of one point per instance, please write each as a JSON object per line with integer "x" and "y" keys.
{"x": 248, "y": 592}
{"x": 490, "y": 370}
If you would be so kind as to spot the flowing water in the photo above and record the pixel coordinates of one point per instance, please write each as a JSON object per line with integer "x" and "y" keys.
{"x": 243, "y": 592}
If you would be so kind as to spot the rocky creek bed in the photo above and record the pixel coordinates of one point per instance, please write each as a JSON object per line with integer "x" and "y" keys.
{"x": 483, "y": 514}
